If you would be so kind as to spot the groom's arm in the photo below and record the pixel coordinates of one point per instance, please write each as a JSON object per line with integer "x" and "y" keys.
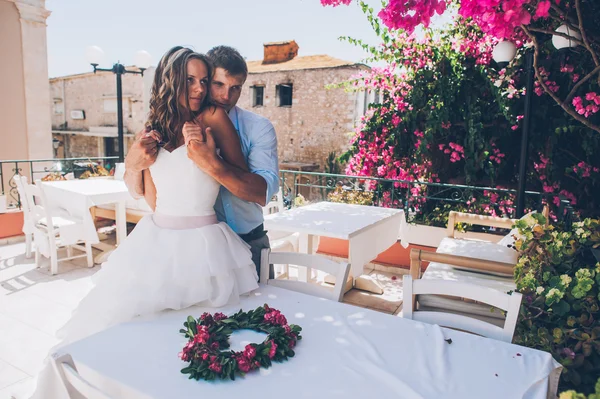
{"x": 261, "y": 182}
{"x": 140, "y": 156}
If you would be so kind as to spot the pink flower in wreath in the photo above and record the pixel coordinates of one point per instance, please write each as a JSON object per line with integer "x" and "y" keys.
{"x": 202, "y": 336}
{"x": 243, "y": 364}
{"x": 214, "y": 346}
{"x": 275, "y": 317}
{"x": 273, "y": 350}
{"x": 250, "y": 352}
{"x": 185, "y": 353}
{"x": 207, "y": 318}
{"x": 219, "y": 316}
{"x": 216, "y": 367}
{"x": 291, "y": 343}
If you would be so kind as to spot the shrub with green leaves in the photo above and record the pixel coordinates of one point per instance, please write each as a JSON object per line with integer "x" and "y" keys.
{"x": 559, "y": 278}
{"x": 574, "y": 395}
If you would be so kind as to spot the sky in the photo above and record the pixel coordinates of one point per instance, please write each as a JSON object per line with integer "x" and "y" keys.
{"x": 122, "y": 27}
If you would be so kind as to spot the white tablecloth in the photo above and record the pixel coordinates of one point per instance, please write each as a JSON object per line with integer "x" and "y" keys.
{"x": 346, "y": 352}
{"x": 370, "y": 230}
{"x": 76, "y": 197}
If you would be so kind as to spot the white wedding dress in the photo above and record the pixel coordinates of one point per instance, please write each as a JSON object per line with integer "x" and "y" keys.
{"x": 178, "y": 257}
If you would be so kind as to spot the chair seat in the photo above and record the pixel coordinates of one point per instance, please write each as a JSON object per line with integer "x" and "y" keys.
{"x": 275, "y": 235}
{"x": 449, "y": 273}
{"x": 59, "y": 221}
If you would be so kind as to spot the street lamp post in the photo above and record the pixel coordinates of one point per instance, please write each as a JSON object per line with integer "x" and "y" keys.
{"x": 95, "y": 55}
{"x": 503, "y": 53}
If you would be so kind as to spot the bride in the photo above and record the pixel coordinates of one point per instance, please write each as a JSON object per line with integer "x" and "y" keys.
{"x": 179, "y": 256}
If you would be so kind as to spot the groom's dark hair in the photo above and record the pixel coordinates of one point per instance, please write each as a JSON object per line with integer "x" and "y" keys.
{"x": 229, "y": 59}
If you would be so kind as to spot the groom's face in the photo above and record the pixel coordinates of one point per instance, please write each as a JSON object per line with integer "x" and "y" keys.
{"x": 225, "y": 89}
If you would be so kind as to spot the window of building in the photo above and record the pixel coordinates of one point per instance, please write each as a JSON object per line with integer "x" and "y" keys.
{"x": 59, "y": 107}
{"x": 258, "y": 95}
{"x": 284, "y": 95}
{"x": 111, "y": 146}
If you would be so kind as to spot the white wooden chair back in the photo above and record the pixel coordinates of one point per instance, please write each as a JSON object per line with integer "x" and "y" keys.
{"x": 275, "y": 205}
{"x": 26, "y": 202}
{"x": 39, "y": 210}
{"x": 339, "y": 270}
{"x": 490, "y": 296}
{"x": 119, "y": 171}
{"x": 73, "y": 381}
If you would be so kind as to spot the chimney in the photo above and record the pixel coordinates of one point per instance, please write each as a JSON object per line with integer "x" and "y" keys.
{"x": 277, "y": 52}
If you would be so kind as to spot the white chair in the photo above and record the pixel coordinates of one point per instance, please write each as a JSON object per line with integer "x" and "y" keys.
{"x": 275, "y": 205}
{"x": 26, "y": 204}
{"x": 338, "y": 269}
{"x": 509, "y": 303}
{"x": 73, "y": 381}
{"x": 46, "y": 230}
{"x": 280, "y": 240}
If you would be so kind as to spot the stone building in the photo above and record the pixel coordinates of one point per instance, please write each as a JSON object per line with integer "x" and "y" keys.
{"x": 311, "y": 120}
{"x": 84, "y": 112}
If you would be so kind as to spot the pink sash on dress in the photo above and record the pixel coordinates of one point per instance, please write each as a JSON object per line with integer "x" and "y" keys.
{"x": 183, "y": 222}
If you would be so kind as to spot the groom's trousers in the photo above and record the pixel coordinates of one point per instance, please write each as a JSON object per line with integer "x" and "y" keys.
{"x": 256, "y": 247}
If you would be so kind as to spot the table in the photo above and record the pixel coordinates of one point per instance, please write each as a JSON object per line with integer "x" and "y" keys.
{"x": 369, "y": 230}
{"x": 346, "y": 352}
{"x": 78, "y": 196}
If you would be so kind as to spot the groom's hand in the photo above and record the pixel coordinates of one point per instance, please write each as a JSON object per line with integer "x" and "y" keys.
{"x": 203, "y": 153}
{"x": 143, "y": 151}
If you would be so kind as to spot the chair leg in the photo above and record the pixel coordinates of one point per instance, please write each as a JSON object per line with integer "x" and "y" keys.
{"x": 37, "y": 258}
{"x": 89, "y": 253}
{"x": 54, "y": 262}
{"x": 28, "y": 241}
{"x": 69, "y": 251}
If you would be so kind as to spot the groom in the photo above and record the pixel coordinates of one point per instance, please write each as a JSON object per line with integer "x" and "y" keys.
{"x": 242, "y": 193}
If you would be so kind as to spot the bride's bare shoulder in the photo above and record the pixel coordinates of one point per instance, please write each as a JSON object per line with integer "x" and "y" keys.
{"x": 213, "y": 114}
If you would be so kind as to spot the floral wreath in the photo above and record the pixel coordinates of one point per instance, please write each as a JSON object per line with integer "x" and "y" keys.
{"x": 208, "y": 339}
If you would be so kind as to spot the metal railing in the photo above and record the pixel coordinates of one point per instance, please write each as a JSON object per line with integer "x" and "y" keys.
{"x": 425, "y": 202}
{"x": 37, "y": 168}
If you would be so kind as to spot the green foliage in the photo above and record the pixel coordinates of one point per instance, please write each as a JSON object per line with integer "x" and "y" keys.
{"x": 560, "y": 280}
{"x": 574, "y": 395}
{"x": 345, "y": 196}
{"x": 332, "y": 164}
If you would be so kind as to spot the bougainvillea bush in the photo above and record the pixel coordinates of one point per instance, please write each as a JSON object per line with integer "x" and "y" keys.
{"x": 448, "y": 113}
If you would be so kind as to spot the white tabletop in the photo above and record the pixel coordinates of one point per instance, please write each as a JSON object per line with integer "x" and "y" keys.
{"x": 93, "y": 188}
{"x": 78, "y": 196}
{"x": 346, "y": 352}
{"x": 370, "y": 230}
{"x": 330, "y": 219}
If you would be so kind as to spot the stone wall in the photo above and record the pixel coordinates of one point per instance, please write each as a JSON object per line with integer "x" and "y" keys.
{"x": 319, "y": 121}
{"x": 95, "y": 95}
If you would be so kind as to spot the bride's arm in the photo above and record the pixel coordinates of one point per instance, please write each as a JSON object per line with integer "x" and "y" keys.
{"x": 226, "y": 138}
{"x": 149, "y": 190}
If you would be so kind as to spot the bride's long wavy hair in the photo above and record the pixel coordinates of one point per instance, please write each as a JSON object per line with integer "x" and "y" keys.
{"x": 167, "y": 115}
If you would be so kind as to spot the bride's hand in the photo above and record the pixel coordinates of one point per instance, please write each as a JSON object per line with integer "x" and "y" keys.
{"x": 192, "y": 131}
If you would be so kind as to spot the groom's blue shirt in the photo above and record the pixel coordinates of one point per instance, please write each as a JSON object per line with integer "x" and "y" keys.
{"x": 259, "y": 146}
